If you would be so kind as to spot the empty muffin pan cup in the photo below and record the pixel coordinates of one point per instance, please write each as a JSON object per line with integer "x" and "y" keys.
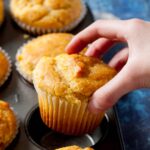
{"x": 45, "y": 138}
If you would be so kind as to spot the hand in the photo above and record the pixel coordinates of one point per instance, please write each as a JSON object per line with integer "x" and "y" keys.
{"x": 133, "y": 61}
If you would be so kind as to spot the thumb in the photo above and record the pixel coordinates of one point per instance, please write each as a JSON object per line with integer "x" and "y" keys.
{"x": 106, "y": 96}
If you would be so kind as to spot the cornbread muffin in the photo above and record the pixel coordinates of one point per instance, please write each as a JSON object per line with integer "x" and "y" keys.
{"x": 8, "y": 125}
{"x": 5, "y": 66}
{"x": 74, "y": 148}
{"x": 43, "y": 16}
{"x": 47, "y": 45}
{"x": 64, "y": 85}
{"x": 1, "y": 11}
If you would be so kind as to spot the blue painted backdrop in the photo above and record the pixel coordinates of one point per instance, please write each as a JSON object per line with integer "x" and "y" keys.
{"x": 134, "y": 108}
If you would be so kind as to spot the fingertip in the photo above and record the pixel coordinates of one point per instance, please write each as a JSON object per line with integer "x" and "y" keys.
{"x": 74, "y": 47}
{"x": 68, "y": 49}
{"x": 119, "y": 59}
{"x": 93, "y": 108}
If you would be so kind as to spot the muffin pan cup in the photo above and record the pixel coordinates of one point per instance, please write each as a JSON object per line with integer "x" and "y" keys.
{"x": 46, "y": 138}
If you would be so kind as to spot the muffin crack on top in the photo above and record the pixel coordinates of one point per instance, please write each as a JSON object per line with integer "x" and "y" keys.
{"x": 75, "y": 76}
{"x": 64, "y": 85}
{"x": 42, "y": 8}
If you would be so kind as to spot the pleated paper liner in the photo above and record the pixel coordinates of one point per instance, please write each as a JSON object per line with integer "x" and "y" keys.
{"x": 66, "y": 117}
{"x": 45, "y": 138}
{"x": 19, "y": 69}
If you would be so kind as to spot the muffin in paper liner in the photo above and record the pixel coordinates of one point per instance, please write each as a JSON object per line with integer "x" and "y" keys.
{"x": 32, "y": 51}
{"x": 74, "y": 147}
{"x": 17, "y": 127}
{"x": 65, "y": 117}
{"x": 43, "y": 30}
{"x": 9, "y": 126}
{"x": 6, "y": 66}
{"x": 64, "y": 85}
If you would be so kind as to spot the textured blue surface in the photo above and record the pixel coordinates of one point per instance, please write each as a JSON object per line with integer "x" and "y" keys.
{"x": 123, "y": 9}
{"x": 134, "y": 108}
{"x": 134, "y": 115}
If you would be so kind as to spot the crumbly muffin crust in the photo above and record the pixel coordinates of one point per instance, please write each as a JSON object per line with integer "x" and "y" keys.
{"x": 8, "y": 124}
{"x": 54, "y": 14}
{"x": 45, "y": 45}
{"x": 71, "y": 77}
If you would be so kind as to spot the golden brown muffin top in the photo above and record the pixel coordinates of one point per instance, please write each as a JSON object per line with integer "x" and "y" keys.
{"x": 8, "y": 124}
{"x": 74, "y": 148}
{"x": 71, "y": 77}
{"x": 54, "y": 14}
{"x": 4, "y": 66}
{"x": 1, "y": 11}
{"x": 45, "y": 45}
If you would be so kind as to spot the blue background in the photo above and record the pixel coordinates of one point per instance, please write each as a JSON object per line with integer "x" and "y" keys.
{"x": 134, "y": 108}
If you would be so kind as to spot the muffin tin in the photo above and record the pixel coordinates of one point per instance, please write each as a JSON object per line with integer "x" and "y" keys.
{"x": 48, "y": 139}
{"x": 33, "y": 134}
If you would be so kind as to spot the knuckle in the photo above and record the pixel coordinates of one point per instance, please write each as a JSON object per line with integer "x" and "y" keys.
{"x": 95, "y": 46}
{"x": 96, "y": 23}
{"x": 136, "y": 20}
{"x": 132, "y": 73}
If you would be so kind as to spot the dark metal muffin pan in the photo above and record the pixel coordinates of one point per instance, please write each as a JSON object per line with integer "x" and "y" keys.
{"x": 45, "y": 138}
{"x": 33, "y": 134}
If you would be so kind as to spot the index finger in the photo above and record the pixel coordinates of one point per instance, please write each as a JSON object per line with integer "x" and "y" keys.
{"x": 110, "y": 29}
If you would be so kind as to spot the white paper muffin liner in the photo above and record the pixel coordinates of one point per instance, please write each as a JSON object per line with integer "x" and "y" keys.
{"x": 17, "y": 127}
{"x": 39, "y": 31}
{"x": 9, "y": 67}
{"x": 67, "y": 117}
{"x": 18, "y": 68}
